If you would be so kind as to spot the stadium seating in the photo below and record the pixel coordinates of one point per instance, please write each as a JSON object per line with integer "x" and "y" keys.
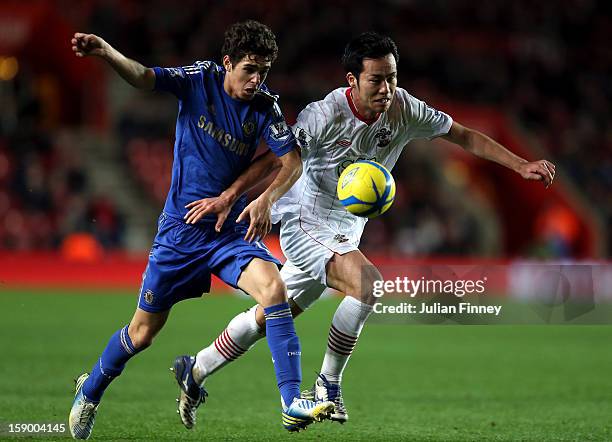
{"x": 544, "y": 70}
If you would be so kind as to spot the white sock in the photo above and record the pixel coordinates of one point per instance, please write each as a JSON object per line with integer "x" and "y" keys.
{"x": 241, "y": 334}
{"x": 346, "y": 326}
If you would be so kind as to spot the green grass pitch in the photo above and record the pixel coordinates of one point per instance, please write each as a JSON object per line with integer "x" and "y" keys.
{"x": 403, "y": 382}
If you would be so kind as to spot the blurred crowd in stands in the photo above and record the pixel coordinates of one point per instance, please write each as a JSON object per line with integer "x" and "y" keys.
{"x": 547, "y": 64}
{"x": 45, "y": 195}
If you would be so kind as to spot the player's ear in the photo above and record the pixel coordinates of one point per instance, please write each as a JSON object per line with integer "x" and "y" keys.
{"x": 227, "y": 63}
{"x": 352, "y": 80}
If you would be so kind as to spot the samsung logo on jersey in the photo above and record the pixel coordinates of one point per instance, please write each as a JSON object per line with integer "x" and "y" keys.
{"x": 225, "y": 139}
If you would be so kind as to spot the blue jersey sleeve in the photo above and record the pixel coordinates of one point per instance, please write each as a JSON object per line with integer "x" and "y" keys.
{"x": 277, "y": 133}
{"x": 180, "y": 81}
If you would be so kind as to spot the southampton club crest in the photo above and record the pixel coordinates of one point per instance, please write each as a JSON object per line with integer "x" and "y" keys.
{"x": 383, "y": 136}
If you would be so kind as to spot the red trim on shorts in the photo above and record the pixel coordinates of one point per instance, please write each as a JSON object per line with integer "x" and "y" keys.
{"x": 316, "y": 240}
{"x": 313, "y": 238}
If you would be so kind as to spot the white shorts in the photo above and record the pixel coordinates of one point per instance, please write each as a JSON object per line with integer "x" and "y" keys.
{"x": 308, "y": 245}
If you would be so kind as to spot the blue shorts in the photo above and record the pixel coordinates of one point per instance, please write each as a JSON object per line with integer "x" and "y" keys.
{"x": 184, "y": 256}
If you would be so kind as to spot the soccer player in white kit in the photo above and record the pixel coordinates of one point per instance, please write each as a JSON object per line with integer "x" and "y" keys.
{"x": 372, "y": 119}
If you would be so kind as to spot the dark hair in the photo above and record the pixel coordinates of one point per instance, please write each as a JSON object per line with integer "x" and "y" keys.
{"x": 249, "y": 38}
{"x": 367, "y": 45}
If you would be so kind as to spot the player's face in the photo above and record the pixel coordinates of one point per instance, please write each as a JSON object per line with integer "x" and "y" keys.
{"x": 244, "y": 78}
{"x": 375, "y": 88}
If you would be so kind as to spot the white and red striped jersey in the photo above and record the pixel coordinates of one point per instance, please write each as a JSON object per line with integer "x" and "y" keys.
{"x": 332, "y": 135}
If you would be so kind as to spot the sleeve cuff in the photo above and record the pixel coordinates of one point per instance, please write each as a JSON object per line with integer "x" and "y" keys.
{"x": 445, "y": 128}
{"x": 159, "y": 73}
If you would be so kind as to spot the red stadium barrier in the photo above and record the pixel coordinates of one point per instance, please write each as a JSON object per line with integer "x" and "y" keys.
{"x": 120, "y": 270}
{"x": 123, "y": 271}
{"x": 52, "y": 270}
{"x": 78, "y": 265}
{"x": 114, "y": 271}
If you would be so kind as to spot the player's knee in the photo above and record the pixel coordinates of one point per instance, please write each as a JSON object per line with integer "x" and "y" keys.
{"x": 273, "y": 292}
{"x": 141, "y": 336}
{"x": 142, "y": 340}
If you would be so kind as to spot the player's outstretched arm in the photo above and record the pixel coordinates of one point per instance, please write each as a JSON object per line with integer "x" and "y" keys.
{"x": 258, "y": 211}
{"x": 262, "y": 167}
{"x": 137, "y": 75}
{"x": 481, "y": 145}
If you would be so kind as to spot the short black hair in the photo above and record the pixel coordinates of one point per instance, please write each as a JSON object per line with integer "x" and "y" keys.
{"x": 367, "y": 45}
{"x": 249, "y": 38}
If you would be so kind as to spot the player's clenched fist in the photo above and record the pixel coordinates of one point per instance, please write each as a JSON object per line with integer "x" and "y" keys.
{"x": 542, "y": 170}
{"x": 88, "y": 44}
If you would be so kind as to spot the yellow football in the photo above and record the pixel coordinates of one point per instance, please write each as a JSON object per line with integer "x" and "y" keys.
{"x": 366, "y": 188}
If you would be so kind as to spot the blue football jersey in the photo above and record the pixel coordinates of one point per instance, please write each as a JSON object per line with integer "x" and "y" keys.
{"x": 216, "y": 135}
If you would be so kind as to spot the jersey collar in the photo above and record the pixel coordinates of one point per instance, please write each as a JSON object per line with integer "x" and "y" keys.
{"x": 356, "y": 112}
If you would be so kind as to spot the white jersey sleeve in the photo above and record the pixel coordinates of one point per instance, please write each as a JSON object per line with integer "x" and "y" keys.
{"x": 312, "y": 130}
{"x": 423, "y": 120}
{"x": 310, "y": 127}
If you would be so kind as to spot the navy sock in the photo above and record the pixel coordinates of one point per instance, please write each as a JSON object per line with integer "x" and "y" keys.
{"x": 110, "y": 365}
{"x": 285, "y": 348}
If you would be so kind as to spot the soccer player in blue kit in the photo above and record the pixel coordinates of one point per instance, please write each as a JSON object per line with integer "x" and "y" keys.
{"x": 318, "y": 236}
{"x": 223, "y": 113}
